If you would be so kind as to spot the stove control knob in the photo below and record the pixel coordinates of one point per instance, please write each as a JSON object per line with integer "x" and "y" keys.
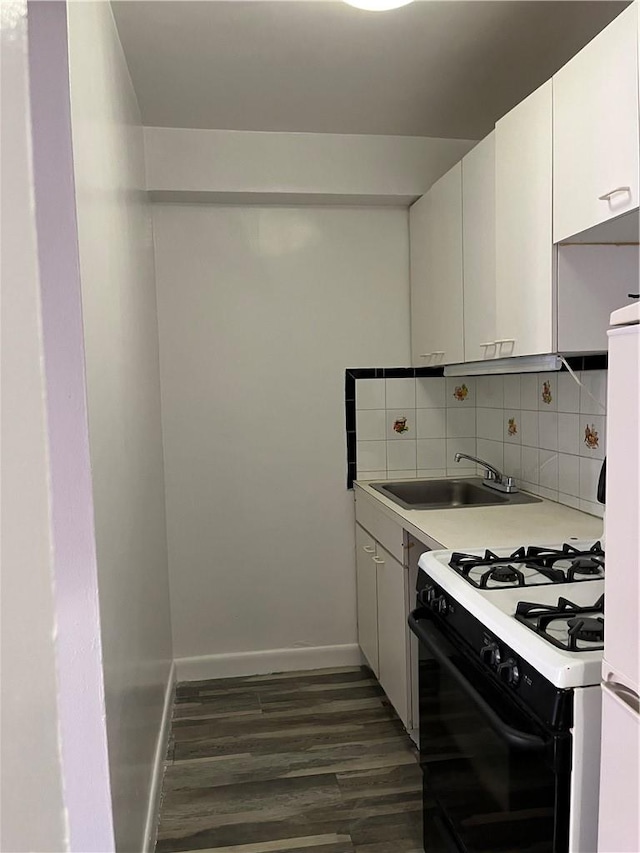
{"x": 490, "y": 654}
{"x": 439, "y": 604}
{"x": 509, "y": 672}
{"x": 423, "y": 597}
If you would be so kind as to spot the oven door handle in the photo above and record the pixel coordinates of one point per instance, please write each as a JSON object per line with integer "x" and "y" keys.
{"x": 514, "y": 737}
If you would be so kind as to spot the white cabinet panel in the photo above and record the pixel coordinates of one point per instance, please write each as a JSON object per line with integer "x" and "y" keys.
{"x": 524, "y": 249}
{"x": 393, "y": 639}
{"x": 435, "y": 222}
{"x": 367, "y": 597}
{"x": 595, "y": 132}
{"x": 622, "y": 580}
{"x": 383, "y": 529}
{"x": 619, "y": 822}
{"x": 383, "y": 599}
{"x": 479, "y": 250}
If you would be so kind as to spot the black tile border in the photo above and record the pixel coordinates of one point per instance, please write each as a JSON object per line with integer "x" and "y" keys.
{"x": 598, "y": 361}
{"x": 350, "y": 376}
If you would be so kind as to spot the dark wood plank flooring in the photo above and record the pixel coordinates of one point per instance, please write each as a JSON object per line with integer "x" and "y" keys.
{"x": 304, "y": 762}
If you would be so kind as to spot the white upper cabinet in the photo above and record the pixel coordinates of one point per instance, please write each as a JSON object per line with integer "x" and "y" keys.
{"x": 479, "y": 251}
{"x": 596, "y": 141}
{"x": 524, "y": 246}
{"x": 435, "y": 223}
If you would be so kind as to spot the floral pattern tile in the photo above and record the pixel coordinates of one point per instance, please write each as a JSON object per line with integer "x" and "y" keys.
{"x": 400, "y": 425}
{"x": 591, "y": 437}
{"x": 461, "y": 392}
{"x": 541, "y": 447}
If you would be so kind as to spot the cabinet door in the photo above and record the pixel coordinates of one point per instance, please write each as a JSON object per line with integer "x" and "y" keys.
{"x": 524, "y": 248}
{"x": 595, "y": 130}
{"x": 393, "y": 632}
{"x": 367, "y": 597}
{"x": 479, "y": 251}
{"x": 435, "y": 223}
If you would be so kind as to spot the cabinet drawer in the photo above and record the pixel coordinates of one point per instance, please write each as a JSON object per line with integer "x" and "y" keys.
{"x": 383, "y": 529}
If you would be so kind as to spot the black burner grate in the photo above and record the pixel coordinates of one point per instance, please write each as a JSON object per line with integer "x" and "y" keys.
{"x": 583, "y": 624}
{"x": 584, "y": 565}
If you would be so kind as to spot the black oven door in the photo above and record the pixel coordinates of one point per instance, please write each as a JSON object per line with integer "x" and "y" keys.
{"x": 495, "y": 780}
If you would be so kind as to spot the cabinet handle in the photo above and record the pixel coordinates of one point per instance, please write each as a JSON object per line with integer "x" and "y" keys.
{"x": 426, "y": 355}
{"x": 377, "y": 560}
{"x": 368, "y": 549}
{"x": 608, "y": 195}
{"x": 489, "y": 344}
{"x": 506, "y": 341}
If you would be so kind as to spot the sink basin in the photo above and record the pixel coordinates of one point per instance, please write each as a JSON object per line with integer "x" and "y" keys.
{"x": 447, "y": 494}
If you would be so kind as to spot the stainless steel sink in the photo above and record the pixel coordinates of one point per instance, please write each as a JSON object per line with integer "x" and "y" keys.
{"x": 447, "y": 494}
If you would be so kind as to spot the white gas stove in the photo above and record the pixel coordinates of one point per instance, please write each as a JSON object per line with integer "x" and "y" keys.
{"x": 546, "y": 604}
{"x": 510, "y": 655}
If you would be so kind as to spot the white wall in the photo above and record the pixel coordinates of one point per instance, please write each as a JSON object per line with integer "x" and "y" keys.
{"x": 123, "y": 394}
{"x": 31, "y": 785}
{"x": 261, "y": 309}
{"x": 242, "y": 166}
{"x": 81, "y": 705}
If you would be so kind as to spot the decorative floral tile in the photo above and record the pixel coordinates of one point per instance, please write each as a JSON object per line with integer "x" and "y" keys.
{"x": 461, "y": 392}
{"x": 591, "y": 437}
{"x": 548, "y": 392}
{"x": 400, "y": 425}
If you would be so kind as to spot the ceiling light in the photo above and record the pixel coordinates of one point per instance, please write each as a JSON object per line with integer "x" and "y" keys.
{"x": 378, "y": 5}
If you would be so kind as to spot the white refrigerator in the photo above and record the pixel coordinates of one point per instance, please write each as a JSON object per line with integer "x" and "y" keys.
{"x": 619, "y": 817}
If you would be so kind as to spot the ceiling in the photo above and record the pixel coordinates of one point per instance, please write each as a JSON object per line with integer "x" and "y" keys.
{"x": 434, "y": 68}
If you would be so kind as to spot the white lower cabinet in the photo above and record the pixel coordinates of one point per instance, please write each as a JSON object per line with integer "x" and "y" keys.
{"x": 366, "y": 571}
{"x": 383, "y": 633}
{"x": 393, "y": 632}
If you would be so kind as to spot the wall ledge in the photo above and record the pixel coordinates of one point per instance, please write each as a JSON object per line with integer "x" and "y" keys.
{"x": 280, "y": 199}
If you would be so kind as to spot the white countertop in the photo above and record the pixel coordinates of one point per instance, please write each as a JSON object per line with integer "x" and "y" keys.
{"x": 465, "y": 528}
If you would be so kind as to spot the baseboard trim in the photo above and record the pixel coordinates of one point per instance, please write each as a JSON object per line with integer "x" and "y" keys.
{"x": 263, "y": 662}
{"x": 155, "y": 789}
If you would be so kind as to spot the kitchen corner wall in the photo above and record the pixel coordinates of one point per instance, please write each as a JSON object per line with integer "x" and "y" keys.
{"x": 261, "y": 309}
{"x": 33, "y": 801}
{"x": 543, "y": 429}
{"x": 123, "y": 400}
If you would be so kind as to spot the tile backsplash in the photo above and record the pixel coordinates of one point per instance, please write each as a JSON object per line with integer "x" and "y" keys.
{"x": 543, "y": 429}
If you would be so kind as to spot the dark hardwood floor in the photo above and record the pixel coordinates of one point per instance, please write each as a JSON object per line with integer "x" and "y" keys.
{"x": 306, "y": 762}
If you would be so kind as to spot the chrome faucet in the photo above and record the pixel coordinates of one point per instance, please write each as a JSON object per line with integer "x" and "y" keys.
{"x": 493, "y": 478}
